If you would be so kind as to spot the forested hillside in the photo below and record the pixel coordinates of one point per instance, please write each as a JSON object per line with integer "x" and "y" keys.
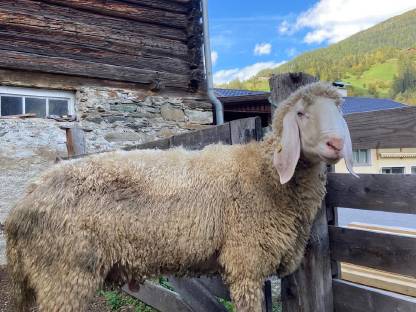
{"x": 379, "y": 62}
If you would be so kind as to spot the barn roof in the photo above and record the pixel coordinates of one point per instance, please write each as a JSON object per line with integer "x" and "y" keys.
{"x": 351, "y": 105}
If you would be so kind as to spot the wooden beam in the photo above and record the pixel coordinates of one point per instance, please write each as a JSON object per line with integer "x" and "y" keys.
{"x": 75, "y": 141}
{"x": 309, "y": 289}
{"x": 60, "y": 65}
{"x": 29, "y": 44}
{"x": 67, "y": 19}
{"x": 349, "y": 297}
{"x": 245, "y": 130}
{"x": 393, "y": 128}
{"x": 379, "y": 279}
{"x": 385, "y": 192}
{"x": 389, "y": 252}
{"x": 172, "y": 6}
{"x": 125, "y": 10}
{"x": 196, "y": 295}
{"x": 159, "y": 297}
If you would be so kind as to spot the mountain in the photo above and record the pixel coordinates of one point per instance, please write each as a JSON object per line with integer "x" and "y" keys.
{"x": 370, "y": 60}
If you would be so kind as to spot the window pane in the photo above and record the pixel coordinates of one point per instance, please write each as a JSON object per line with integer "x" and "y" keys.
{"x": 36, "y": 106}
{"x": 11, "y": 105}
{"x": 363, "y": 156}
{"x": 386, "y": 170}
{"x": 414, "y": 170}
{"x": 397, "y": 170}
{"x": 355, "y": 156}
{"x": 58, "y": 107}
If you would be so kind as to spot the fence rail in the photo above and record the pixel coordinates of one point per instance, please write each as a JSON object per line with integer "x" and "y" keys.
{"x": 380, "y": 250}
{"x": 349, "y": 297}
{"x": 389, "y": 252}
{"x": 383, "y": 192}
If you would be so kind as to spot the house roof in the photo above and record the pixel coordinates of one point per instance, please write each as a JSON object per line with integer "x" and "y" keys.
{"x": 233, "y": 92}
{"x": 351, "y": 104}
{"x": 354, "y": 104}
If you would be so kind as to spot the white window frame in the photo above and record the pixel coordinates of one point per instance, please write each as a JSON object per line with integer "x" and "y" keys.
{"x": 389, "y": 167}
{"x": 40, "y": 93}
{"x": 368, "y": 163}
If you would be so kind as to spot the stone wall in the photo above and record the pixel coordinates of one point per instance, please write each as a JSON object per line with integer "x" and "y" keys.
{"x": 117, "y": 117}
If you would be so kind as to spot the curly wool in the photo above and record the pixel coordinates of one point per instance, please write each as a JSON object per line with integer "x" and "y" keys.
{"x": 155, "y": 212}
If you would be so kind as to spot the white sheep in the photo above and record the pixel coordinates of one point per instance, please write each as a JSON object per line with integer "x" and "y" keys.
{"x": 243, "y": 210}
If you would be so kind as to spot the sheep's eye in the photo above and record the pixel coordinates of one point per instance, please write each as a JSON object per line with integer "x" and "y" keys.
{"x": 300, "y": 114}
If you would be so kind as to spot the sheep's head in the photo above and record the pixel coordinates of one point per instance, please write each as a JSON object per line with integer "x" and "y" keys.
{"x": 310, "y": 125}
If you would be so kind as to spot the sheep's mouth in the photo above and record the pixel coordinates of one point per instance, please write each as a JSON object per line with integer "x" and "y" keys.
{"x": 330, "y": 160}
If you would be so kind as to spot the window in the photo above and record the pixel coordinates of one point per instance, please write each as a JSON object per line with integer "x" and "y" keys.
{"x": 392, "y": 170}
{"x": 413, "y": 171}
{"x": 43, "y": 103}
{"x": 361, "y": 157}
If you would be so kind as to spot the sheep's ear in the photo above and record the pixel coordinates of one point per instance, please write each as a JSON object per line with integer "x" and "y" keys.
{"x": 287, "y": 155}
{"x": 347, "y": 149}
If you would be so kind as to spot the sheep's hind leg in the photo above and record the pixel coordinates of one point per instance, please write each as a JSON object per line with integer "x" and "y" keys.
{"x": 68, "y": 292}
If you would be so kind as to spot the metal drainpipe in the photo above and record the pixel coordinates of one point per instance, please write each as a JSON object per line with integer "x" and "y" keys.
{"x": 219, "y": 111}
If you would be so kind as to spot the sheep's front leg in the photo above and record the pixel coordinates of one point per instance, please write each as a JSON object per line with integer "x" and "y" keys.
{"x": 247, "y": 295}
{"x": 244, "y": 273}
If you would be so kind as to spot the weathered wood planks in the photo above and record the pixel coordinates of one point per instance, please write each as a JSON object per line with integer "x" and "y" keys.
{"x": 236, "y": 132}
{"x": 126, "y": 10}
{"x": 159, "y": 297}
{"x": 392, "y": 193}
{"x": 75, "y": 141}
{"x": 350, "y": 297}
{"x": 139, "y": 37}
{"x": 309, "y": 289}
{"x": 379, "y": 279}
{"x": 389, "y": 252}
{"x": 60, "y": 65}
{"x": 383, "y": 129}
{"x": 19, "y": 42}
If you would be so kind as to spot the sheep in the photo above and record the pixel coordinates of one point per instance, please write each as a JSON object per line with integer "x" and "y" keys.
{"x": 244, "y": 211}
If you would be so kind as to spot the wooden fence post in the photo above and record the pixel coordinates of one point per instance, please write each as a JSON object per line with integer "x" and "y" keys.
{"x": 309, "y": 289}
{"x": 75, "y": 141}
{"x": 283, "y": 85}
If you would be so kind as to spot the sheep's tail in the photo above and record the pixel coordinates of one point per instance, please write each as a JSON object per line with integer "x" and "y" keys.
{"x": 23, "y": 294}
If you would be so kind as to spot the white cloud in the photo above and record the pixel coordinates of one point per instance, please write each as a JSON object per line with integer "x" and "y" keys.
{"x": 214, "y": 57}
{"x": 334, "y": 20}
{"x": 284, "y": 27}
{"x": 263, "y": 49}
{"x": 227, "y": 75}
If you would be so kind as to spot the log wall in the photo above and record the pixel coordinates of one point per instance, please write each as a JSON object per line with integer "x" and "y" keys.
{"x": 155, "y": 43}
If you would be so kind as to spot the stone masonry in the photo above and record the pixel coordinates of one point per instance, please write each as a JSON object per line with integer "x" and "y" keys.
{"x": 115, "y": 118}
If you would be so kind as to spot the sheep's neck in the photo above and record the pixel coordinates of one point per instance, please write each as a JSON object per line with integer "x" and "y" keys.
{"x": 305, "y": 170}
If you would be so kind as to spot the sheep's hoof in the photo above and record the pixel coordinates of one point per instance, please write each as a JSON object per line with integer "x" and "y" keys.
{"x": 134, "y": 286}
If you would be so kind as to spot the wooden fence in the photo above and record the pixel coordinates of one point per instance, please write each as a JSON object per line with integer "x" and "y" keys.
{"x": 317, "y": 285}
{"x": 379, "y": 250}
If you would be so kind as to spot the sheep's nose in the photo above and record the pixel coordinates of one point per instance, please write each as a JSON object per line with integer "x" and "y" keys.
{"x": 335, "y": 143}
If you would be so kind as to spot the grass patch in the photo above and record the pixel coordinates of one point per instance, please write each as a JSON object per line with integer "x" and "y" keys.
{"x": 116, "y": 300}
{"x": 376, "y": 81}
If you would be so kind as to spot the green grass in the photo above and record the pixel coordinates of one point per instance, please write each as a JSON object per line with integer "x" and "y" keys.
{"x": 116, "y": 300}
{"x": 380, "y": 76}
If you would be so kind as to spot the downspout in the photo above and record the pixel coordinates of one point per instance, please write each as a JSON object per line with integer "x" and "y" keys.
{"x": 219, "y": 111}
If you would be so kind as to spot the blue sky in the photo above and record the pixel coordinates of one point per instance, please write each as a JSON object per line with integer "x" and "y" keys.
{"x": 247, "y": 36}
